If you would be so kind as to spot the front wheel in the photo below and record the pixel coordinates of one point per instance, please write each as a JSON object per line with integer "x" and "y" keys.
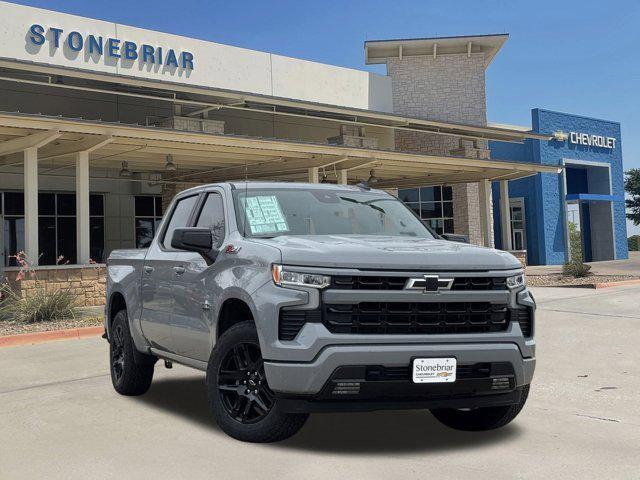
{"x": 127, "y": 376}
{"x": 242, "y": 402}
{"x": 480, "y": 419}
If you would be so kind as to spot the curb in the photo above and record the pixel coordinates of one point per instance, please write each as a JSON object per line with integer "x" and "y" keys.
{"x": 615, "y": 284}
{"x": 48, "y": 336}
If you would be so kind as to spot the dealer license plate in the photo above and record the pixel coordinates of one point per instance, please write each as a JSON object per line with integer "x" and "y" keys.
{"x": 434, "y": 370}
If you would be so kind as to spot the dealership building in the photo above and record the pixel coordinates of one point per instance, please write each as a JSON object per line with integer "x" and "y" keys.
{"x": 102, "y": 123}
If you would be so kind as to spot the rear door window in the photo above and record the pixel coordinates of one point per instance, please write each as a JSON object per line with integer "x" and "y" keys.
{"x": 212, "y": 216}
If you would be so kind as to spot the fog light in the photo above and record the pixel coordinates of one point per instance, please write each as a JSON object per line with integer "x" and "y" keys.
{"x": 501, "y": 383}
{"x": 346, "y": 388}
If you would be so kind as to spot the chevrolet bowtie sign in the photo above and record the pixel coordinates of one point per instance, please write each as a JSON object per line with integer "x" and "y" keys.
{"x": 429, "y": 284}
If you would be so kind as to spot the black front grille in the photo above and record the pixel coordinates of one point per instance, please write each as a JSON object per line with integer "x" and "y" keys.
{"x": 479, "y": 283}
{"x": 524, "y": 317}
{"x": 368, "y": 283}
{"x": 365, "y": 282}
{"x": 415, "y": 318}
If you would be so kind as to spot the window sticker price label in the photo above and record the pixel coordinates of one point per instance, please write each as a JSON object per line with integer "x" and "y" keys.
{"x": 265, "y": 215}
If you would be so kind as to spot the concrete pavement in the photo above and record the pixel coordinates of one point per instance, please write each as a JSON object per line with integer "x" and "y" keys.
{"x": 62, "y": 419}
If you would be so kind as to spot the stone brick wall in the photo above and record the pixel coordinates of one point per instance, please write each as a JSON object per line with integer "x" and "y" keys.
{"x": 448, "y": 88}
{"x": 87, "y": 283}
{"x": 520, "y": 255}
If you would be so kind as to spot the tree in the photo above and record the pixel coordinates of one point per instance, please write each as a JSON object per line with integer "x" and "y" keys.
{"x": 632, "y": 187}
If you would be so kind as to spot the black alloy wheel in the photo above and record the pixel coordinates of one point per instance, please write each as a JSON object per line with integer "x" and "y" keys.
{"x": 117, "y": 352}
{"x": 242, "y": 384}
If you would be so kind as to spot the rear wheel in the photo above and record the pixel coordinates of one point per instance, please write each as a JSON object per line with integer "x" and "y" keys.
{"x": 242, "y": 402}
{"x": 127, "y": 376}
{"x": 479, "y": 419}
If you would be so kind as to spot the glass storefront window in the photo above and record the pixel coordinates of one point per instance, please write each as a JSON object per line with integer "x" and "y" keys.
{"x": 433, "y": 204}
{"x": 56, "y": 227}
{"x": 148, "y": 213}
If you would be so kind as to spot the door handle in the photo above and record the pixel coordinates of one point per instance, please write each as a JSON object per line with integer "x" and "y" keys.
{"x": 147, "y": 269}
{"x": 178, "y": 270}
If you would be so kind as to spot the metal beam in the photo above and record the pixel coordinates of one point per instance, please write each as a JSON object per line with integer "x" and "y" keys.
{"x": 88, "y": 144}
{"x": 35, "y": 140}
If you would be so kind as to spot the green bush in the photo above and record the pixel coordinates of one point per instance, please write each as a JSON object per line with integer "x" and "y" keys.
{"x": 38, "y": 306}
{"x": 634, "y": 243}
{"x": 575, "y": 242}
{"x": 576, "y": 269}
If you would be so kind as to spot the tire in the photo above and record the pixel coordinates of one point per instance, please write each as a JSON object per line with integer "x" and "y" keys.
{"x": 128, "y": 377}
{"x": 480, "y": 419}
{"x": 242, "y": 403}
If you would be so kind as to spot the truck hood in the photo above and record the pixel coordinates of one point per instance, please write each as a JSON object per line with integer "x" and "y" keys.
{"x": 389, "y": 253}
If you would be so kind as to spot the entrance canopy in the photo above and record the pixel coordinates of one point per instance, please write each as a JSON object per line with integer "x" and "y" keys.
{"x": 223, "y": 157}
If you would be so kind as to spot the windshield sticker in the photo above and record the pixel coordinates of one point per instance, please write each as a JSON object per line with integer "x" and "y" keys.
{"x": 265, "y": 215}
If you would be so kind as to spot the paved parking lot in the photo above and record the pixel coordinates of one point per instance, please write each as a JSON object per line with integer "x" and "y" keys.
{"x": 62, "y": 419}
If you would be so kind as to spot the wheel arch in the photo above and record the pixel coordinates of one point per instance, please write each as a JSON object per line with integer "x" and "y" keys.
{"x": 233, "y": 310}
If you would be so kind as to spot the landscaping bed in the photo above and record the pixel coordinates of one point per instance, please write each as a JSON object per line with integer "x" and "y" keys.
{"x": 559, "y": 280}
{"x": 8, "y": 327}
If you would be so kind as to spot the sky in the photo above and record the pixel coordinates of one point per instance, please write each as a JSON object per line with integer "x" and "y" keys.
{"x": 574, "y": 56}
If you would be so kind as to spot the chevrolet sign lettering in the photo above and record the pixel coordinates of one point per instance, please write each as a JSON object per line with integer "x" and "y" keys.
{"x": 592, "y": 140}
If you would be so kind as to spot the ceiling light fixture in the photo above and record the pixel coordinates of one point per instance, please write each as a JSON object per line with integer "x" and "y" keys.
{"x": 124, "y": 171}
{"x": 169, "y": 165}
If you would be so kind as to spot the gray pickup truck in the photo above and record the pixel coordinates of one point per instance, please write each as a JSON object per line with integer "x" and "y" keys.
{"x": 301, "y": 298}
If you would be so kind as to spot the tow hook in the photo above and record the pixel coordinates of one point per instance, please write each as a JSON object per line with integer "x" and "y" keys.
{"x": 168, "y": 364}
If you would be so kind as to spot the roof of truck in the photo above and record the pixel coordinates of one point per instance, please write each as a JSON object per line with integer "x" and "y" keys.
{"x": 256, "y": 184}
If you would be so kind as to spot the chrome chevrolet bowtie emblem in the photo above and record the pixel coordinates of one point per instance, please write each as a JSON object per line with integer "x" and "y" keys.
{"x": 429, "y": 283}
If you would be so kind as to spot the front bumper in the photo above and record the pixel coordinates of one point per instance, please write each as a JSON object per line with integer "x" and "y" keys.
{"x": 309, "y": 378}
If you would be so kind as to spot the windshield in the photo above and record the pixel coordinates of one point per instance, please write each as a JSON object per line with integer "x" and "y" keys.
{"x": 273, "y": 212}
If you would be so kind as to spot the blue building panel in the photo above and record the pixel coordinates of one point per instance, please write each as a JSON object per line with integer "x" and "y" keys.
{"x": 593, "y": 146}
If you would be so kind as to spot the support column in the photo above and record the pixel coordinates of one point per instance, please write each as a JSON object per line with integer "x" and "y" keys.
{"x": 31, "y": 205}
{"x": 82, "y": 208}
{"x": 342, "y": 177}
{"x": 505, "y": 215}
{"x": 484, "y": 193}
{"x": 314, "y": 176}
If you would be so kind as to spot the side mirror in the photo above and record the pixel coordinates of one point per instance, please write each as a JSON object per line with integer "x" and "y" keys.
{"x": 452, "y": 237}
{"x": 197, "y": 240}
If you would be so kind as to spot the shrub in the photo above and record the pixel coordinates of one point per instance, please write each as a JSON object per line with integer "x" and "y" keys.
{"x": 576, "y": 269}
{"x": 634, "y": 243}
{"x": 38, "y": 306}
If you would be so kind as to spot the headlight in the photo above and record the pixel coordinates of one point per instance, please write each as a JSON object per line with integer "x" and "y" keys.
{"x": 515, "y": 281}
{"x": 284, "y": 277}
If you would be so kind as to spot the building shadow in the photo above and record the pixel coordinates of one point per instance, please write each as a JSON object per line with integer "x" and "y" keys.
{"x": 386, "y": 432}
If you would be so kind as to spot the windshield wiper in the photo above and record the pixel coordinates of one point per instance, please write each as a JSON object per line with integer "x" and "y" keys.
{"x": 375, "y": 207}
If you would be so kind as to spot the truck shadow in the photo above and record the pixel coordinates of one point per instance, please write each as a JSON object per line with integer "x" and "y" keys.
{"x": 398, "y": 432}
